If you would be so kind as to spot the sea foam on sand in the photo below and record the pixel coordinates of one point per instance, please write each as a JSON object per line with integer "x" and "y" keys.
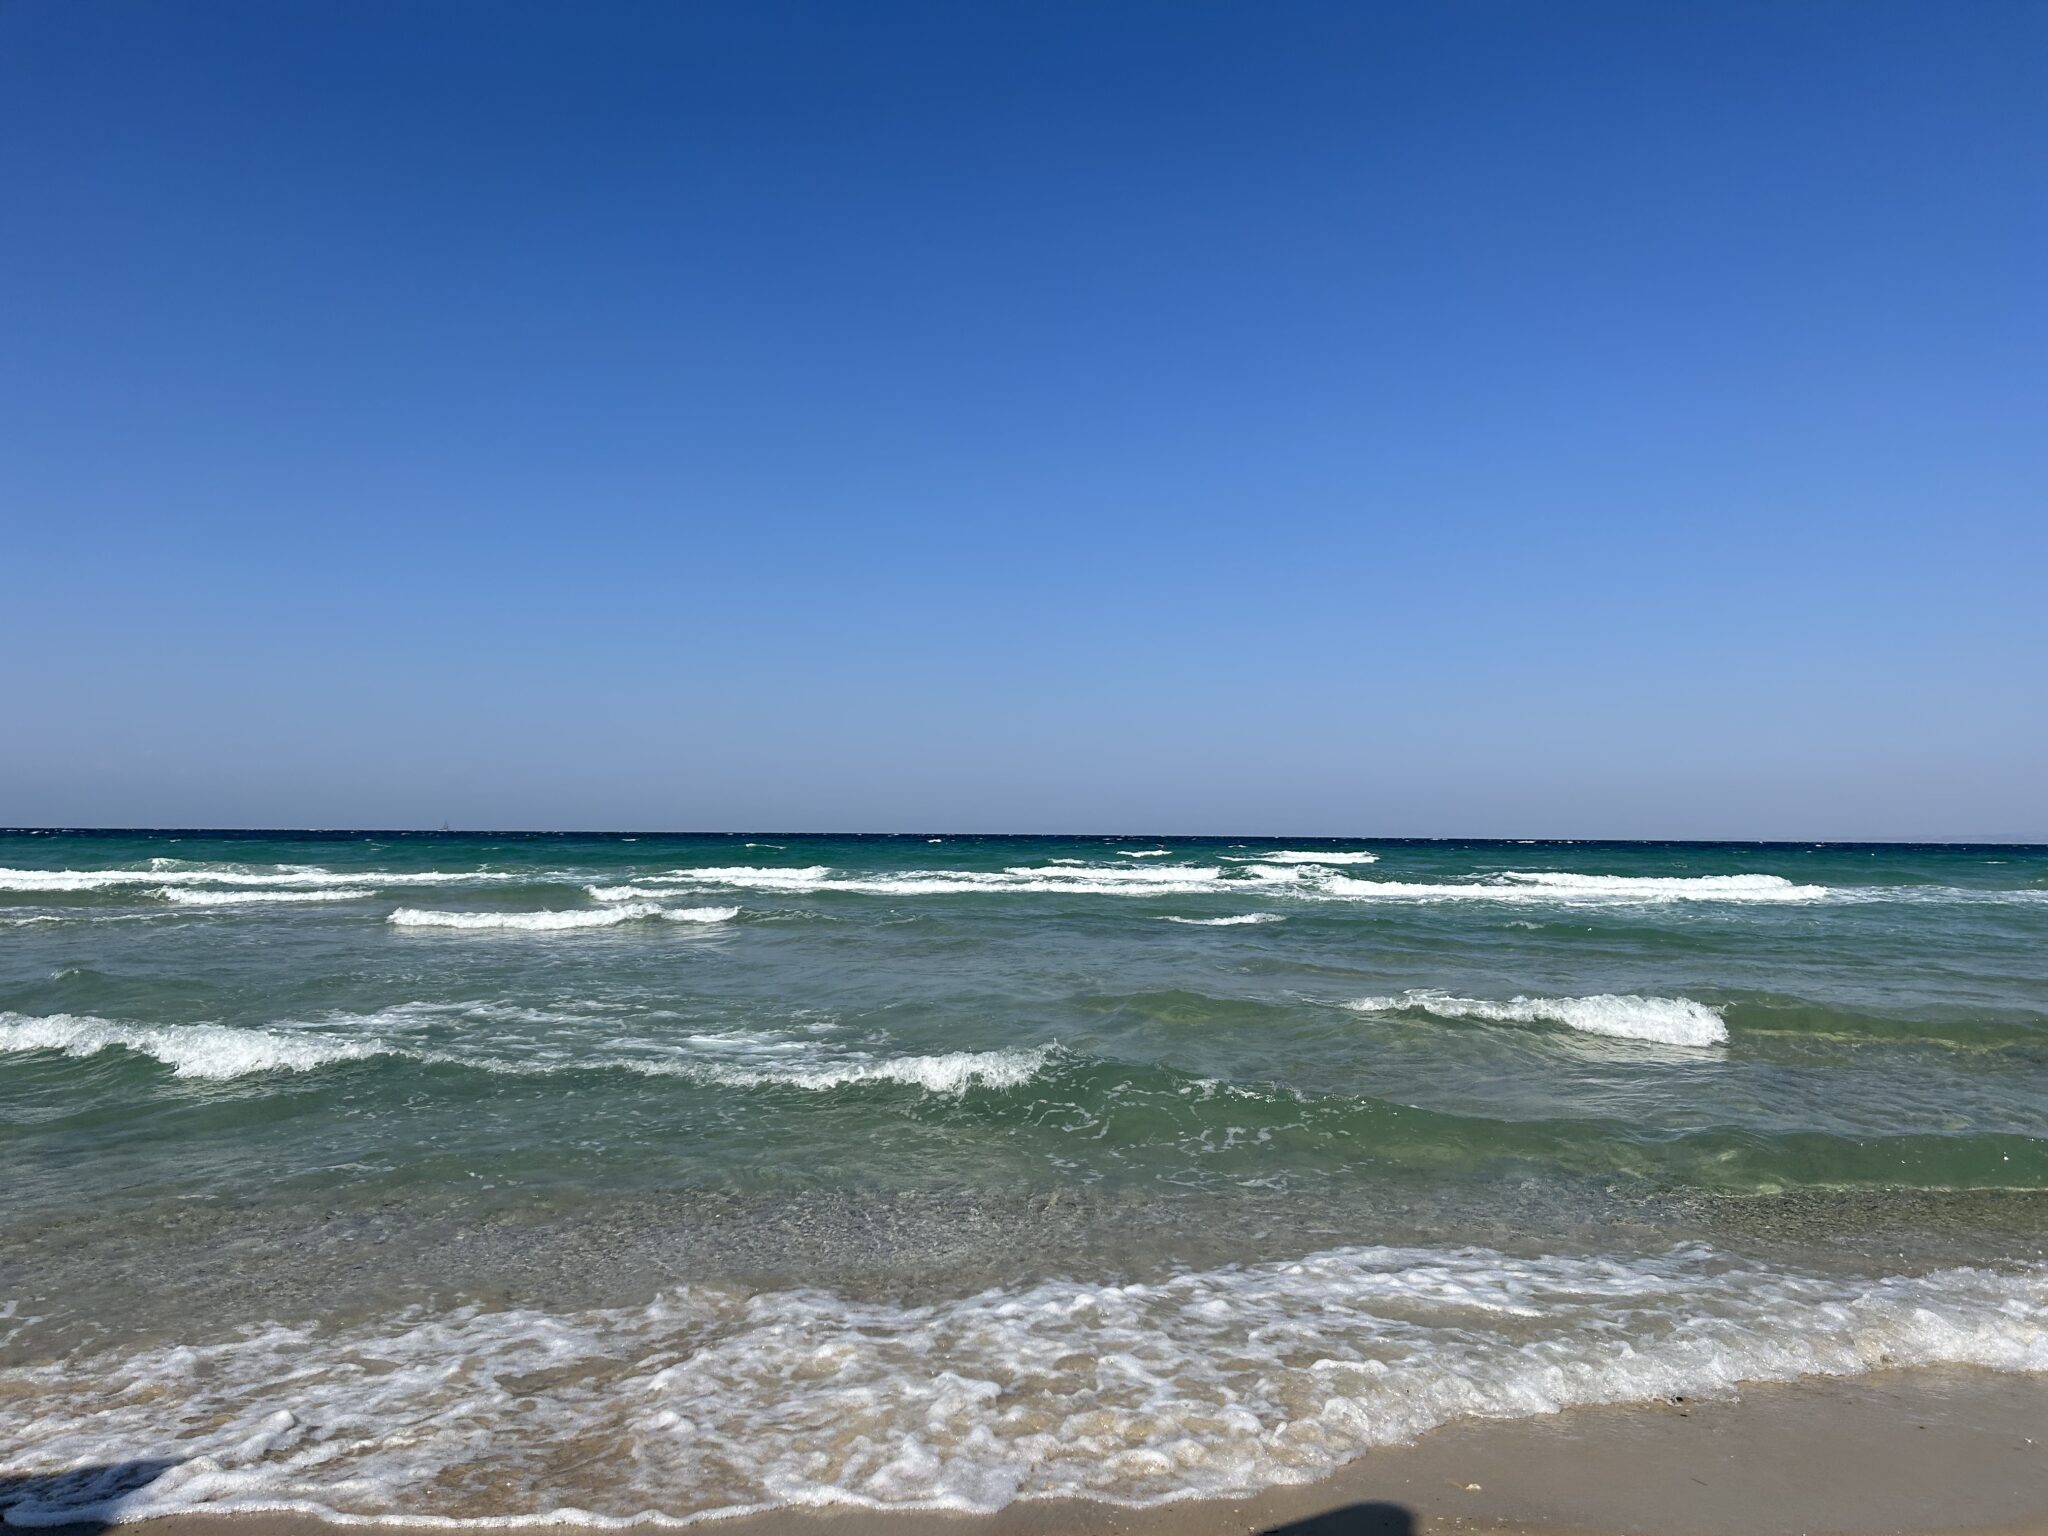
{"x": 712, "y": 1400}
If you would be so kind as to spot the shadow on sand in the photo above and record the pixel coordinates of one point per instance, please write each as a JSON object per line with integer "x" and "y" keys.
{"x": 38, "y": 1502}
{"x": 30, "y": 1500}
{"x": 1373, "y": 1519}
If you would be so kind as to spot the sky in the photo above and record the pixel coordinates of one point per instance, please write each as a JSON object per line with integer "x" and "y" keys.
{"x": 1448, "y": 418}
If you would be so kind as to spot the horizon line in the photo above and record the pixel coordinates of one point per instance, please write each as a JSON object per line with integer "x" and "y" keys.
{"x": 1978, "y": 841}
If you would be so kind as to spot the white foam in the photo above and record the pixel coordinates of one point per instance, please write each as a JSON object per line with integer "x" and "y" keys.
{"x": 729, "y": 1058}
{"x": 713, "y": 1401}
{"x": 1583, "y": 890}
{"x": 1305, "y": 878}
{"x": 950, "y": 1073}
{"x": 1313, "y": 872}
{"x": 1146, "y": 853}
{"x": 415, "y": 1015}
{"x": 167, "y": 872}
{"x": 700, "y": 914}
{"x": 1684, "y": 887}
{"x": 529, "y": 922}
{"x": 560, "y": 922}
{"x": 1228, "y": 922}
{"x": 42, "y": 918}
{"x": 191, "y": 1050}
{"x": 733, "y": 1059}
{"x": 1298, "y": 856}
{"x": 1665, "y": 1020}
{"x": 760, "y": 877}
{"x": 1300, "y": 879}
{"x": 648, "y": 893}
{"x": 1119, "y": 875}
{"x": 186, "y": 896}
{"x": 1096, "y": 880}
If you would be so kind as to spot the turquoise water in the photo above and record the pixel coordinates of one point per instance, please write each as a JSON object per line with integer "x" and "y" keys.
{"x": 480, "y": 1177}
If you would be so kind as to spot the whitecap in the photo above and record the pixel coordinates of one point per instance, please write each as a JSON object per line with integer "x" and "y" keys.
{"x": 1097, "y": 880}
{"x": 764, "y": 877}
{"x": 1300, "y": 856}
{"x": 1228, "y": 922}
{"x": 949, "y": 1073}
{"x": 191, "y": 1050}
{"x": 186, "y": 896}
{"x": 559, "y": 922}
{"x": 1665, "y": 1020}
{"x": 1304, "y": 879}
{"x": 1694, "y": 887}
{"x": 700, "y": 914}
{"x": 167, "y": 872}
{"x": 1574, "y": 889}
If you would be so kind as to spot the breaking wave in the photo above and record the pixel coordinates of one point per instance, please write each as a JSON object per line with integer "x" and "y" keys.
{"x": 1549, "y": 886}
{"x": 1305, "y": 879}
{"x": 1665, "y": 1020}
{"x": 186, "y": 896}
{"x": 626, "y": 893}
{"x": 190, "y": 1050}
{"x": 559, "y": 922}
{"x": 1096, "y": 880}
{"x": 175, "y": 872}
{"x": 949, "y": 1074}
{"x": 1299, "y": 856}
{"x": 222, "y": 1051}
{"x": 1303, "y": 873}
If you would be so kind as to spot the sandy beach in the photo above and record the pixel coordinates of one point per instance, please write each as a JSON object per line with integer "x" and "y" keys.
{"x": 1917, "y": 1452}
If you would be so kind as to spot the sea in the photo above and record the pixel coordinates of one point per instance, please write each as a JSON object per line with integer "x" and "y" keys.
{"x": 507, "y": 1178}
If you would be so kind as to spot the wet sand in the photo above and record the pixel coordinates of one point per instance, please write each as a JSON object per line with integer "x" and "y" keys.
{"x": 1898, "y": 1452}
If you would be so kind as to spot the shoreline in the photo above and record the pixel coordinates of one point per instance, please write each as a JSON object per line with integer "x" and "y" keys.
{"x": 1924, "y": 1451}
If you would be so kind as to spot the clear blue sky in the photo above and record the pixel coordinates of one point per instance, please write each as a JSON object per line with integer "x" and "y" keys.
{"x": 1458, "y": 418}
